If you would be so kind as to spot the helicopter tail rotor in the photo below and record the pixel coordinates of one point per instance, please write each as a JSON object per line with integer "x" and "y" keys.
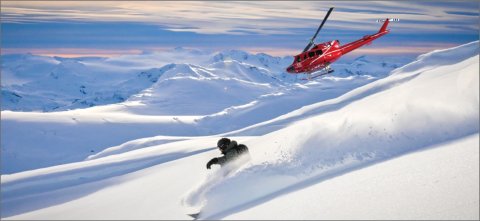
{"x": 389, "y": 19}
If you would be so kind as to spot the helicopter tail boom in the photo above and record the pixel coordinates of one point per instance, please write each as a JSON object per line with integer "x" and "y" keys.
{"x": 367, "y": 39}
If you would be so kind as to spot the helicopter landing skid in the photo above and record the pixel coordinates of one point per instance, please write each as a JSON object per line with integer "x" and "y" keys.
{"x": 311, "y": 77}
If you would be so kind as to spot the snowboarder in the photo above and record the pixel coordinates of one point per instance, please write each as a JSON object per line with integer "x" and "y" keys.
{"x": 230, "y": 150}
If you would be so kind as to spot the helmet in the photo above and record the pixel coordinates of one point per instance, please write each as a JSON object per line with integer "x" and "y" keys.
{"x": 223, "y": 143}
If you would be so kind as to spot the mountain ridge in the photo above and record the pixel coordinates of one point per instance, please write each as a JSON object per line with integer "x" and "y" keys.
{"x": 91, "y": 80}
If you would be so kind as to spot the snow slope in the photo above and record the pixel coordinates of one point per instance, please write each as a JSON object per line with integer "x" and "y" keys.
{"x": 405, "y": 146}
{"x": 439, "y": 183}
{"x": 153, "y": 190}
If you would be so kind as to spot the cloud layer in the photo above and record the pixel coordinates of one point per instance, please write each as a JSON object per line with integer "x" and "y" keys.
{"x": 268, "y": 17}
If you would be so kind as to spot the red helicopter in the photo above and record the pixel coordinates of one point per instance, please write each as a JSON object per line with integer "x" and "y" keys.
{"x": 320, "y": 56}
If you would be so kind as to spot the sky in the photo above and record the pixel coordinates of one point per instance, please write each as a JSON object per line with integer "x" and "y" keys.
{"x": 107, "y": 28}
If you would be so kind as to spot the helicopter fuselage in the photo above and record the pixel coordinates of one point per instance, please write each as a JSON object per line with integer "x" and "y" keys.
{"x": 320, "y": 56}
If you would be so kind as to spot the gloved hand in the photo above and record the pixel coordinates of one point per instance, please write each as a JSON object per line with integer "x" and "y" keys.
{"x": 212, "y": 161}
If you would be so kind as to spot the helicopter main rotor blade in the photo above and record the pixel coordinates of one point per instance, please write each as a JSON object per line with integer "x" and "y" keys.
{"x": 318, "y": 30}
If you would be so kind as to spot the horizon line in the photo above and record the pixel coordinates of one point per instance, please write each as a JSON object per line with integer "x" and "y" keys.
{"x": 278, "y": 52}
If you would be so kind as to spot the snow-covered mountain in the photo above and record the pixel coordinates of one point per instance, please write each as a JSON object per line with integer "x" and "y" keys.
{"x": 40, "y": 83}
{"x": 400, "y": 146}
{"x": 224, "y": 91}
{"x": 369, "y": 65}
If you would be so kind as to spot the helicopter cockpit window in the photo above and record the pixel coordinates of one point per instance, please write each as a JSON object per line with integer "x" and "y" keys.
{"x": 298, "y": 59}
{"x": 311, "y": 54}
{"x": 319, "y": 52}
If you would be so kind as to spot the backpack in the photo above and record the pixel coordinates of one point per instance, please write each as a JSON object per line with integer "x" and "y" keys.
{"x": 241, "y": 149}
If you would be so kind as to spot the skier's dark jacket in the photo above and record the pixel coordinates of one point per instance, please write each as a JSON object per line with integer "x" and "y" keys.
{"x": 230, "y": 153}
